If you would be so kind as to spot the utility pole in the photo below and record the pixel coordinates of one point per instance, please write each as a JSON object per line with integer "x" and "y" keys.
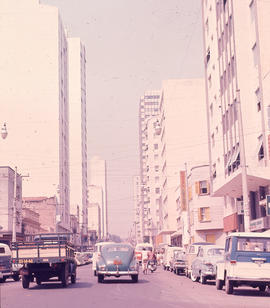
{"x": 243, "y": 164}
{"x": 187, "y": 205}
{"x": 14, "y": 209}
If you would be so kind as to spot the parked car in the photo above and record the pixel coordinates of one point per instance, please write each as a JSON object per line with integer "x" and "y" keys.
{"x": 246, "y": 261}
{"x": 139, "y": 248}
{"x": 191, "y": 254}
{"x": 8, "y": 269}
{"x": 178, "y": 262}
{"x": 117, "y": 260}
{"x": 204, "y": 265}
{"x": 168, "y": 256}
{"x": 96, "y": 255}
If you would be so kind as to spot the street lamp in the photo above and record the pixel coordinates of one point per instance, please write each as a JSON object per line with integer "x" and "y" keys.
{"x": 4, "y": 131}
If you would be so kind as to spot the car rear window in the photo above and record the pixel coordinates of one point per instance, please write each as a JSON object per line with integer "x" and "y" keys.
{"x": 117, "y": 248}
{"x": 215, "y": 252}
{"x": 2, "y": 250}
{"x": 253, "y": 244}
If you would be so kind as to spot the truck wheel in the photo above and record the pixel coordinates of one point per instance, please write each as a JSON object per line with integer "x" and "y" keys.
{"x": 25, "y": 282}
{"x": 134, "y": 278}
{"x": 262, "y": 288}
{"x": 3, "y": 279}
{"x": 73, "y": 278}
{"x": 219, "y": 284}
{"x": 16, "y": 277}
{"x": 100, "y": 278}
{"x": 64, "y": 276}
{"x": 228, "y": 286}
{"x": 38, "y": 281}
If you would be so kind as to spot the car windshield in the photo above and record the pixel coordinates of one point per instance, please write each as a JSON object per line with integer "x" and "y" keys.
{"x": 253, "y": 244}
{"x": 179, "y": 254}
{"x": 216, "y": 252}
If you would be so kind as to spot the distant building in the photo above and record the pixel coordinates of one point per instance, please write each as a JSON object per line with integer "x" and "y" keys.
{"x": 150, "y": 164}
{"x": 30, "y": 222}
{"x": 78, "y": 128}
{"x": 46, "y": 208}
{"x": 7, "y": 177}
{"x": 98, "y": 177}
{"x": 137, "y": 218}
{"x": 94, "y": 219}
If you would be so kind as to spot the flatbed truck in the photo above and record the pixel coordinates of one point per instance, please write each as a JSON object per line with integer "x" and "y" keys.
{"x": 47, "y": 256}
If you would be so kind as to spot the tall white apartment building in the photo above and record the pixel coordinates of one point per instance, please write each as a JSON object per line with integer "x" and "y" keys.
{"x": 183, "y": 141}
{"x": 34, "y": 96}
{"x": 78, "y": 128}
{"x": 237, "y": 61}
{"x": 149, "y": 144}
{"x": 98, "y": 177}
{"x": 137, "y": 219}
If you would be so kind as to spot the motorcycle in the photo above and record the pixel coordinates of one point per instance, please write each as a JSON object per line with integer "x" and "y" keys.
{"x": 152, "y": 265}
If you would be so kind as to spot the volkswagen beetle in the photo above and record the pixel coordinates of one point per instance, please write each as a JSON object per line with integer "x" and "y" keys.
{"x": 117, "y": 260}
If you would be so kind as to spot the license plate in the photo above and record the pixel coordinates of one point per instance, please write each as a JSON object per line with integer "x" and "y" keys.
{"x": 117, "y": 262}
{"x": 259, "y": 262}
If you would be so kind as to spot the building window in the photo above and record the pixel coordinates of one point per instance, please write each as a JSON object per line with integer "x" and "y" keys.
{"x": 156, "y": 156}
{"x": 208, "y": 55}
{"x": 156, "y": 168}
{"x": 155, "y": 146}
{"x": 204, "y": 214}
{"x": 210, "y": 238}
{"x": 252, "y": 10}
{"x": 213, "y": 140}
{"x": 202, "y": 188}
{"x": 262, "y": 192}
{"x": 157, "y": 190}
{"x": 210, "y": 81}
{"x": 157, "y": 179}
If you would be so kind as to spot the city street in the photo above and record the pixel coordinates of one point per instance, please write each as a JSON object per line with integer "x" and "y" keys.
{"x": 160, "y": 289}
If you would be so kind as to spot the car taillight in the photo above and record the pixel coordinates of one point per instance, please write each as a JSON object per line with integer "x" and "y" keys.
{"x": 233, "y": 261}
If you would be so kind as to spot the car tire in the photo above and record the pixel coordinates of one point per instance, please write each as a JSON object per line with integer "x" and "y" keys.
{"x": 219, "y": 284}
{"x": 193, "y": 277}
{"x": 202, "y": 279}
{"x": 16, "y": 277}
{"x": 100, "y": 278}
{"x": 3, "y": 279}
{"x": 73, "y": 278}
{"x": 95, "y": 273}
{"x": 38, "y": 281}
{"x": 228, "y": 286}
{"x": 262, "y": 288}
{"x": 134, "y": 278}
{"x": 25, "y": 282}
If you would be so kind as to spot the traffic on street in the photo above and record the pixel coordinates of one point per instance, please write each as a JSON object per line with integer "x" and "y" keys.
{"x": 160, "y": 289}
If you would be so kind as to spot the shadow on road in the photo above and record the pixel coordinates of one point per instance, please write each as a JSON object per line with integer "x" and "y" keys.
{"x": 250, "y": 292}
{"x": 57, "y": 285}
{"x": 111, "y": 281}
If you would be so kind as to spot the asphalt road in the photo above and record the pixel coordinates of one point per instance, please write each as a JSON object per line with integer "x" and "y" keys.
{"x": 158, "y": 290}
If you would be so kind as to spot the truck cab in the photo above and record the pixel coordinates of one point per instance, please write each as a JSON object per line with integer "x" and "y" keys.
{"x": 246, "y": 261}
{"x": 8, "y": 269}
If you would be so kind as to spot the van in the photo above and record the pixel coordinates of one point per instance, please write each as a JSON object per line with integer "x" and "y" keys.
{"x": 7, "y": 268}
{"x": 139, "y": 248}
{"x": 96, "y": 255}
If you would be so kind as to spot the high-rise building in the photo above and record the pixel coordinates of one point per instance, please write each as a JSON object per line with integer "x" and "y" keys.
{"x": 34, "y": 96}
{"x": 78, "y": 128}
{"x": 237, "y": 65}
{"x": 137, "y": 218}
{"x": 183, "y": 141}
{"x": 149, "y": 163}
{"x": 98, "y": 177}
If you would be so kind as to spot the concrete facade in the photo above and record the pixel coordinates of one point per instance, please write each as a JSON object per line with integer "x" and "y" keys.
{"x": 34, "y": 87}
{"x": 98, "y": 177}
{"x": 7, "y": 182}
{"x": 78, "y": 128}
{"x": 236, "y": 58}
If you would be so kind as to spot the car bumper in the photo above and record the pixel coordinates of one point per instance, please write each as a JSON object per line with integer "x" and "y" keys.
{"x": 249, "y": 279}
{"x": 117, "y": 274}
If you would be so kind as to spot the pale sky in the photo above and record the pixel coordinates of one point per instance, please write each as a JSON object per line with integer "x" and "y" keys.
{"x": 131, "y": 46}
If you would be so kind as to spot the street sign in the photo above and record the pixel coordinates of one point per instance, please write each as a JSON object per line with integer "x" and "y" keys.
{"x": 268, "y": 205}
